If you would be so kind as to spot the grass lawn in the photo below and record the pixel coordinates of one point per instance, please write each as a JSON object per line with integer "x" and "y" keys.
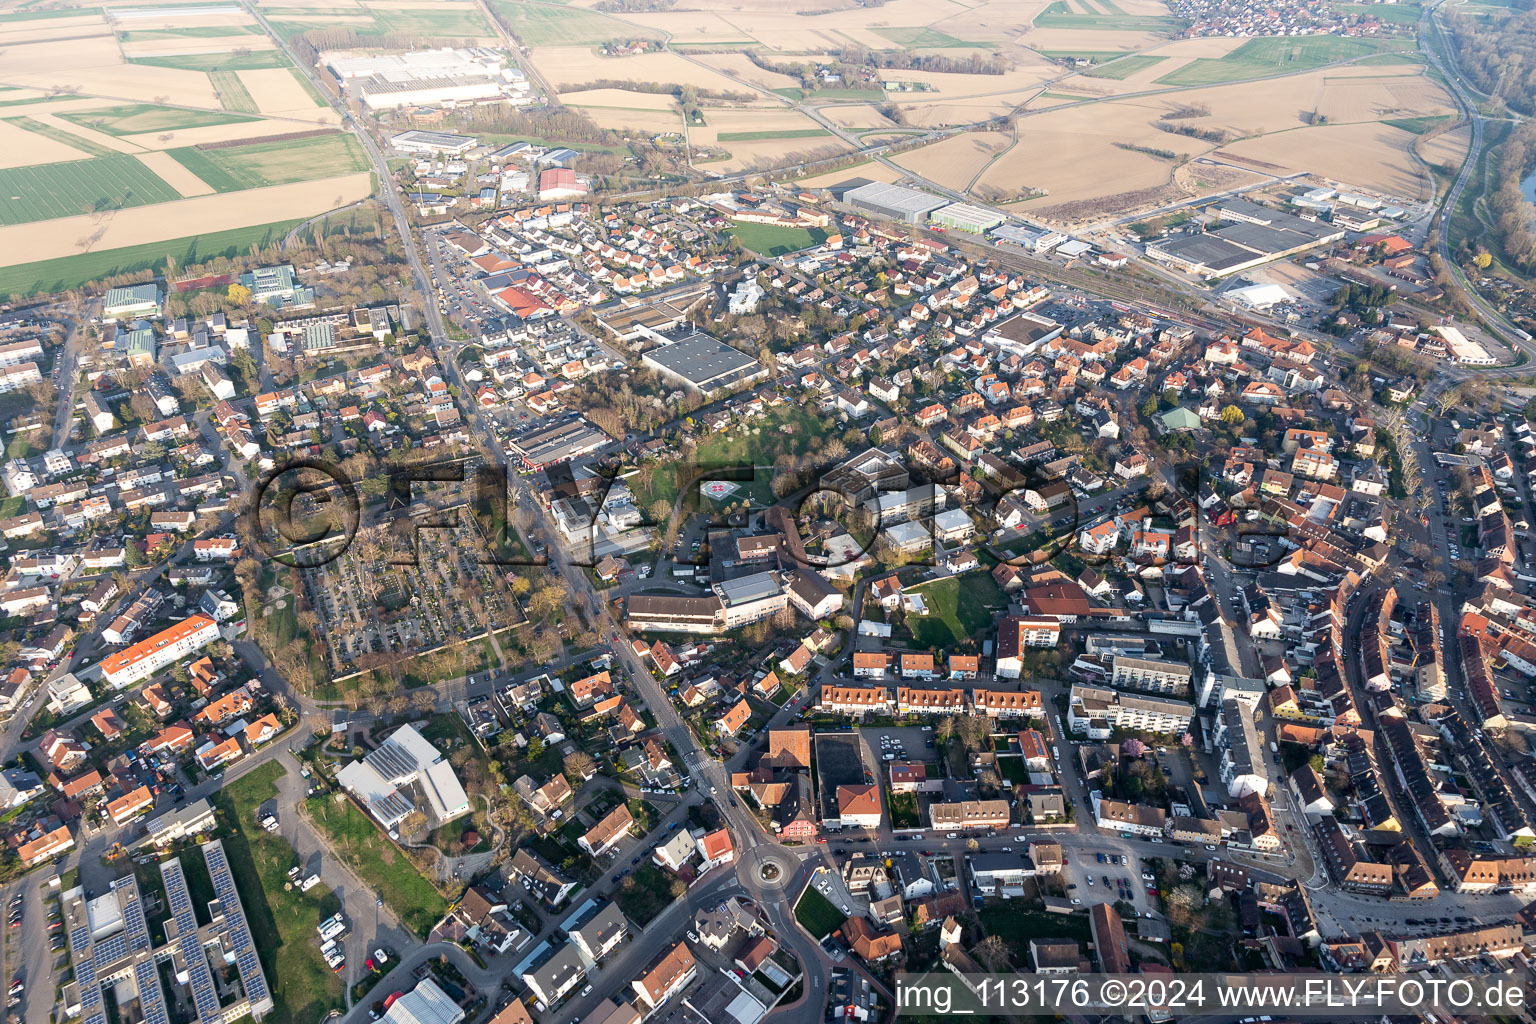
{"x": 787, "y": 133}
{"x": 138, "y": 118}
{"x": 235, "y": 168}
{"x": 1271, "y": 55}
{"x": 774, "y": 240}
{"x": 1125, "y": 67}
{"x": 958, "y": 608}
{"x": 104, "y": 183}
{"x": 924, "y": 38}
{"x": 382, "y": 866}
{"x": 1017, "y": 926}
{"x": 282, "y": 920}
{"x": 233, "y": 94}
{"x": 818, "y": 915}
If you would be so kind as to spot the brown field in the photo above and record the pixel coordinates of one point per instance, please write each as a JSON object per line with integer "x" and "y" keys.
{"x": 20, "y": 148}
{"x": 736, "y": 65}
{"x": 277, "y": 91}
{"x": 175, "y": 175}
{"x": 122, "y": 145}
{"x": 1089, "y": 40}
{"x": 69, "y": 236}
{"x": 623, "y": 99}
{"x": 780, "y": 27}
{"x": 957, "y": 159}
{"x": 572, "y": 67}
{"x": 218, "y": 133}
{"x": 1448, "y": 148}
{"x": 95, "y": 66}
{"x": 761, "y": 152}
{"x": 51, "y": 28}
{"x": 857, "y": 116}
{"x": 616, "y": 119}
{"x": 1366, "y": 156}
{"x": 872, "y": 171}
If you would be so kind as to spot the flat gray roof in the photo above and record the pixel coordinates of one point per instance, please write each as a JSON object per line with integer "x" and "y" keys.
{"x": 703, "y": 361}
{"x": 897, "y": 198}
{"x": 748, "y": 588}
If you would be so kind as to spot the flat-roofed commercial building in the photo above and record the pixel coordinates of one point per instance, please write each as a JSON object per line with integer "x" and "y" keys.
{"x": 674, "y": 614}
{"x": 1247, "y": 235}
{"x": 704, "y": 363}
{"x": 965, "y": 217}
{"x": 549, "y": 446}
{"x": 1096, "y": 712}
{"x": 752, "y": 598}
{"x": 893, "y": 201}
{"x": 418, "y": 141}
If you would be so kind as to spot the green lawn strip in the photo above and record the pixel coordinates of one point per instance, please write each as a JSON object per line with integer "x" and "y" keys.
{"x": 381, "y": 865}
{"x": 1418, "y": 125}
{"x": 202, "y": 163}
{"x": 254, "y": 60}
{"x": 817, "y": 914}
{"x": 1391, "y": 14}
{"x": 1390, "y": 58}
{"x": 188, "y": 32}
{"x": 233, "y": 95}
{"x": 74, "y": 12}
{"x": 194, "y": 869}
{"x": 922, "y": 37}
{"x": 775, "y": 240}
{"x": 7, "y": 104}
{"x": 46, "y": 191}
{"x": 309, "y": 87}
{"x": 141, "y": 118}
{"x": 1125, "y": 67}
{"x": 65, "y": 272}
{"x": 282, "y": 919}
{"x": 1097, "y": 56}
{"x": 1110, "y": 22}
{"x": 786, "y": 133}
{"x": 58, "y": 134}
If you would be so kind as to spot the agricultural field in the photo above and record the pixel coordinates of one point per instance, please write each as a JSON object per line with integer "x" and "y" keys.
{"x": 955, "y": 161}
{"x": 234, "y": 61}
{"x": 233, "y": 95}
{"x": 1125, "y": 67}
{"x": 235, "y": 168}
{"x": 540, "y": 24}
{"x": 100, "y": 184}
{"x": 758, "y": 136}
{"x": 26, "y": 140}
{"x": 1277, "y": 56}
{"x": 139, "y": 118}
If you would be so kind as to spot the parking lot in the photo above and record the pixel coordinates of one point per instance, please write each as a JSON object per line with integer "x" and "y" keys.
{"x": 1085, "y": 876}
{"x": 903, "y": 743}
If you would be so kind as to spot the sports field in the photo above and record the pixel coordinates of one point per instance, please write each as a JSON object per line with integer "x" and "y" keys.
{"x": 45, "y": 191}
{"x": 237, "y": 168}
{"x": 139, "y": 118}
{"x": 233, "y": 95}
{"x": 217, "y": 61}
{"x": 774, "y": 240}
{"x": 1273, "y": 55}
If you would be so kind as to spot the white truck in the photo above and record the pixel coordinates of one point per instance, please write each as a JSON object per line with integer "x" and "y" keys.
{"x": 309, "y": 883}
{"x": 332, "y": 927}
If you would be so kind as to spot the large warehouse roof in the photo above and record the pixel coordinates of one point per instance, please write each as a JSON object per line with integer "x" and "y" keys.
{"x": 895, "y": 198}
{"x": 705, "y": 362}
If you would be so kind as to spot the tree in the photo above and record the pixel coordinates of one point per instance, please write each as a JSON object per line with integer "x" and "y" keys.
{"x": 1482, "y": 260}
{"x": 579, "y": 764}
{"x": 1232, "y": 415}
{"x": 993, "y": 952}
{"x": 239, "y": 294}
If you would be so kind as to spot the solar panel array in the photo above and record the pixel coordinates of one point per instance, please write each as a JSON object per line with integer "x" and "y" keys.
{"x": 246, "y": 960}
{"x": 203, "y": 995}
{"x": 81, "y": 949}
{"x": 136, "y": 935}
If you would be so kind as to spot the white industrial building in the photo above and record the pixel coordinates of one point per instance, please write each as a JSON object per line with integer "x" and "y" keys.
{"x": 893, "y": 201}
{"x": 403, "y": 774}
{"x": 965, "y": 217}
{"x": 443, "y": 77}
{"x": 417, "y": 141}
